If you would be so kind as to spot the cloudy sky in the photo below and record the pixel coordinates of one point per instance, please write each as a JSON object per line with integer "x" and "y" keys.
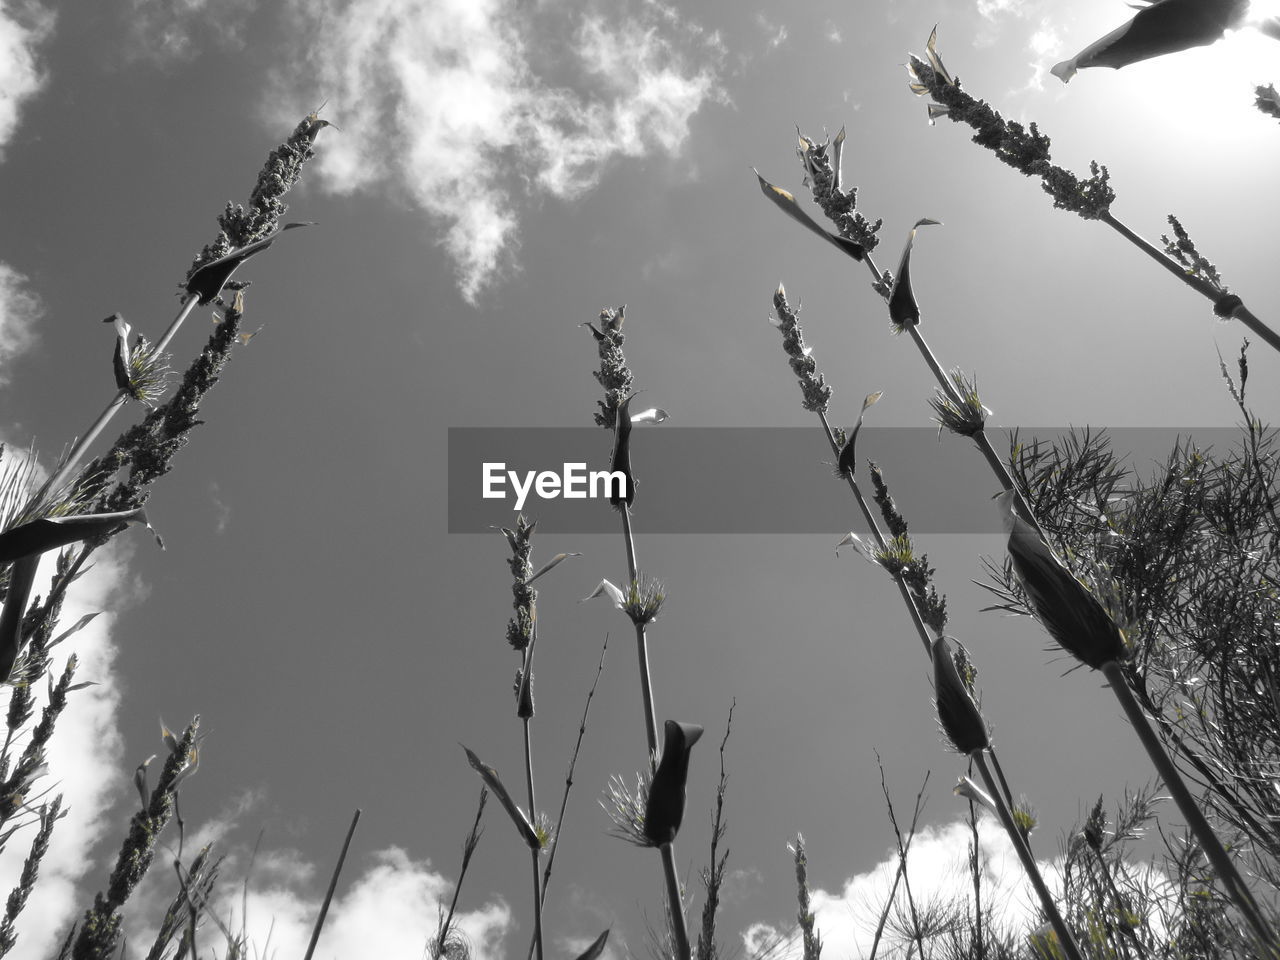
{"x": 501, "y": 172}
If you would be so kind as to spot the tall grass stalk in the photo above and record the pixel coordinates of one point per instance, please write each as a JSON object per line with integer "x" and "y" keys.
{"x": 817, "y": 397}
{"x": 616, "y": 378}
{"x": 439, "y": 947}
{"x": 333, "y": 885}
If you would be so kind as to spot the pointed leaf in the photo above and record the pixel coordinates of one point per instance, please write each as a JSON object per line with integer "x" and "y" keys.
{"x": 902, "y": 301}
{"x": 788, "y": 204}
{"x": 494, "y": 783}
{"x": 49, "y": 533}
{"x": 551, "y": 564}
{"x": 1164, "y": 27}
{"x": 969, "y": 790}
{"x": 931, "y": 51}
{"x": 621, "y": 460}
{"x": 22, "y": 577}
{"x": 664, "y": 809}
{"x": 74, "y": 628}
{"x": 1066, "y": 608}
{"x": 209, "y": 279}
{"x": 957, "y": 712}
{"x": 606, "y": 589}
{"x": 140, "y": 781}
{"x": 652, "y": 415}
{"x": 597, "y": 947}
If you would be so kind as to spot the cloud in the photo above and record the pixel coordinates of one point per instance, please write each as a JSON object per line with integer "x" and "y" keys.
{"x": 19, "y": 310}
{"x": 994, "y": 8}
{"x": 24, "y": 26}
{"x": 937, "y": 867}
{"x": 441, "y": 101}
{"x": 390, "y": 908}
{"x": 168, "y": 30}
{"x": 776, "y": 33}
{"x": 85, "y": 762}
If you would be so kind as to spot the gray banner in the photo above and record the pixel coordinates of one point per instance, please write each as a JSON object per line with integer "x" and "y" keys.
{"x": 746, "y": 479}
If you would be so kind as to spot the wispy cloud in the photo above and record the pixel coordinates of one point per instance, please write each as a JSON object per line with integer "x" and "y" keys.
{"x": 441, "y": 101}
{"x": 776, "y": 33}
{"x": 20, "y": 308}
{"x": 169, "y": 30}
{"x": 23, "y": 28}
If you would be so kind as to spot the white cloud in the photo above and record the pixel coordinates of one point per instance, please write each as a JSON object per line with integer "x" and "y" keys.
{"x": 24, "y": 26}
{"x": 937, "y": 867}
{"x": 1043, "y": 46}
{"x": 19, "y": 310}
{"x": 390, "y": 909}
{"x": 994, "y": 8}
{"x": 440, "y": 100}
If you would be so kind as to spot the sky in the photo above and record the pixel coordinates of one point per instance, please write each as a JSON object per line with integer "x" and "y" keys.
{"x": 497, "y": 174}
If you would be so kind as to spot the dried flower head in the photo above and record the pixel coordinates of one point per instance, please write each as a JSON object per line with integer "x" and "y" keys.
{"x": 1023, "y": 148}
{"x": 520, "y": 627}
{"x": 614, "y": 374}
{"x": 822, "y": 162}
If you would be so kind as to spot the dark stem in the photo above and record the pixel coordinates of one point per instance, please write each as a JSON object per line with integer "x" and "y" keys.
{"x": 333, "y": 885}
{"x": 1065, "y": 939}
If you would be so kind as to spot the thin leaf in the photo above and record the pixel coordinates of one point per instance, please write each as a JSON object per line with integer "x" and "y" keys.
{"x": 551, "y": 564}
{"x": 596, "y": 948}
{"x": 209, "y": 279}
{"x": 903, "y": 309}
{"x": 49, "y": 533}
{"x": 786, "y": 201}
{"x": 607, "y": 589}
{"x": 652, "y": 415}
{"x": 22, "y": 577}
{"x": 494, "y": 783}
{"x": 74, "y": 628}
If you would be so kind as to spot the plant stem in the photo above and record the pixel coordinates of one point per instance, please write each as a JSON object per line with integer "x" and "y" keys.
{"x": 675, "y": 901}
{"x": 1198, "y": 284}
{"x": 975, "y": 866}
{"x": 1196, "y": 821}
{"x": 333, "y": 884}
{"x": 183, "y": 312}
{"x": 1065, "y": 939}
{"x": 869, "y": 517}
